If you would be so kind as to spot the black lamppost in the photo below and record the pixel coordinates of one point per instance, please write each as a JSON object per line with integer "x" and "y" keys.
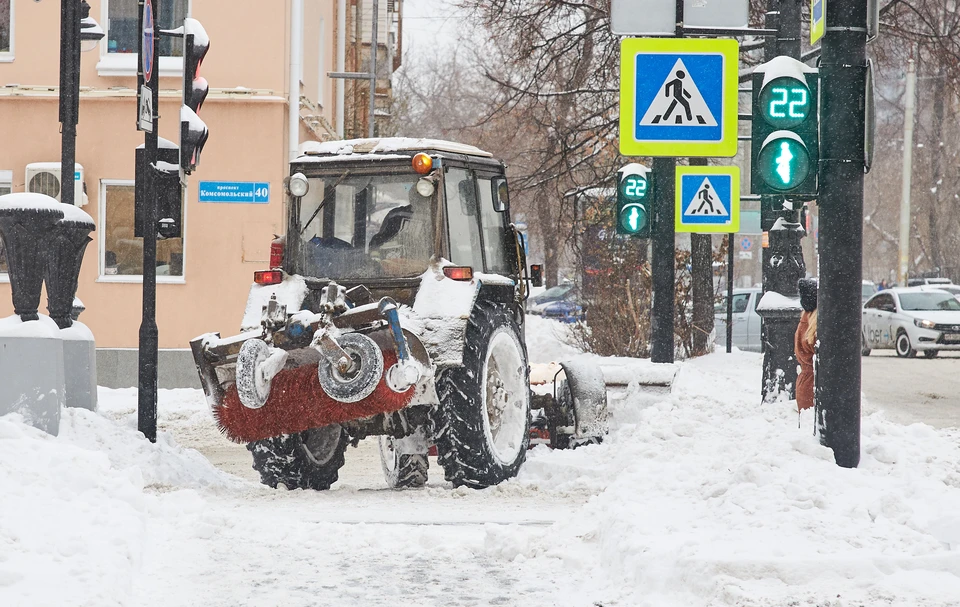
{"x": 76, "y": 26}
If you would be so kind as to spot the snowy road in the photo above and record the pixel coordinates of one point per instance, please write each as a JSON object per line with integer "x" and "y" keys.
{"x": 699, "y": 498}
{"x": 912, "y": 390}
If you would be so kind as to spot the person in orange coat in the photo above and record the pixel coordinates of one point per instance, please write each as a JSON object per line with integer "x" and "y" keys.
{"x": 804, "y": 342}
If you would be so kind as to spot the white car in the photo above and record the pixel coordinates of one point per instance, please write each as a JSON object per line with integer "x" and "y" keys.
{"x": 911, "y": 320}
{"x": 746, "y": 321}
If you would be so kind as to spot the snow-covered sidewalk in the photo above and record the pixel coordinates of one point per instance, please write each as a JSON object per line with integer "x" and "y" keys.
{"x": 703, "y": 498}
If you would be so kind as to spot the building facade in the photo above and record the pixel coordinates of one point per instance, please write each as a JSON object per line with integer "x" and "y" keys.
{"x": 203, "y": 278}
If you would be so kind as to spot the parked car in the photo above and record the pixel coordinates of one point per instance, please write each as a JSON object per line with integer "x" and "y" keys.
{"x": 538, "y": 303}
{"x": 869, "y": 288}
{"x": 916, "y": 282}
{"x": 910, "y": 320}
{"x": 563, "y": 310}
{"x": 746, "y": 321}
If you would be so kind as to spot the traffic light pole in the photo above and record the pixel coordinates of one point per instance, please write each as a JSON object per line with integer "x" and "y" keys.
{"x": 149, "y": 338}
{"x": 843, "y": 93}
{"x": 663, "y": 263}
{"x": 69, "y": 95}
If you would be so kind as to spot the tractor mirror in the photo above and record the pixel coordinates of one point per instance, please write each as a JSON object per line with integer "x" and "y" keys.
{"x": 501, "y": 196}
{"x": 536, "y": 275}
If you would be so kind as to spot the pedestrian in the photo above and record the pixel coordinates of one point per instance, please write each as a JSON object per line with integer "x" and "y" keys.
{"x": 882, "y": 285}
{"x": 804, "y": 342}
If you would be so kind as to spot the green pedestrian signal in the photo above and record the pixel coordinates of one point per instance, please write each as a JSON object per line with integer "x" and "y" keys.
{"x": 633, "y": 196}
{"x": 785, "y": 138}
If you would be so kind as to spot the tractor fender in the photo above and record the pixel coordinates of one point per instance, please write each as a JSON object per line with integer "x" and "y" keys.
{"x": 589, "y": 395}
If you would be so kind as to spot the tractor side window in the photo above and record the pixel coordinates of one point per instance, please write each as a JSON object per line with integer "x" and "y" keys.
{"x": 494, "y": 229}
{"x": 462, "y": 218}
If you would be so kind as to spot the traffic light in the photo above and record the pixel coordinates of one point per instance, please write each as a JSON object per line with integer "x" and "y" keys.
{"x": 785, "y": 146}
{"x": 193, "y": 131}
{"x": 167, "y": 189}
{"x": 634, "y": 193}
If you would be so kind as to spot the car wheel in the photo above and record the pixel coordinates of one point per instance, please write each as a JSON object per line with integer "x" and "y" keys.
{"x": 904, "y": 347}
{"x": 864, "y": 350}
{"x": 931, "y": 353}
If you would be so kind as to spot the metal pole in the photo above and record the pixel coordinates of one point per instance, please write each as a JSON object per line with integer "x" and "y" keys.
{"x": 149, "y": 338}
{"x": 701, "y": 271}
{"x": 663, "y": 264}
{"x": 843, "y": 93}
{"x": 730, "y": 293}
{"x": 374, "y": 26}
{"x": 69, "y": 94}
{"x": 903, "y": 268}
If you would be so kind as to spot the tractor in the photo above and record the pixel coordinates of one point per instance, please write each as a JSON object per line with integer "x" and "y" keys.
{"x": 394, "y": 307}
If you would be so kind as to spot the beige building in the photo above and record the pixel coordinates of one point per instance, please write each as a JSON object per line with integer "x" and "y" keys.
{"x": 203, "y": 278}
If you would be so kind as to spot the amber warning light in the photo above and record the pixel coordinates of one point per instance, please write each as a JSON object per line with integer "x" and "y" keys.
{"x": 422, "y": 163}
{"x": 459, "y": 272}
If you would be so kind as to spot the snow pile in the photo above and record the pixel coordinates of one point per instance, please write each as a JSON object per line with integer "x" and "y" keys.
{"x": 291, "y": 293}
{"x": 713, "y": 499}
{"x": 548, "y": 340}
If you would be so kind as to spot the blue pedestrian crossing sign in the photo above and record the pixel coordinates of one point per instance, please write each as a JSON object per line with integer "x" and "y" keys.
{"x": 678, "y": 97}
{"x": 708, "y": 199}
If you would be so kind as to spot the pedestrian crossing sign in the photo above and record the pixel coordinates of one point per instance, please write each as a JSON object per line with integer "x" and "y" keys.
{"x": 678, "y": 97}
{"x": 708, "y": 199}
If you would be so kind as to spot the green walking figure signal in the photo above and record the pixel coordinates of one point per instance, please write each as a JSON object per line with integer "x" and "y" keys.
{"x": 785, "y": 142}
{"x": 634, "y": 193}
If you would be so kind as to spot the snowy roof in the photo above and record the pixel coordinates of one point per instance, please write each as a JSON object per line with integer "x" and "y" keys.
{"x": 383, "y": 145}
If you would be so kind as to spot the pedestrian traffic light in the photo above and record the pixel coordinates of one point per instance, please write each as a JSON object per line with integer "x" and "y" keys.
{"x": 634, "y": 193}
{"x": 785, "y": 146}
{"x": 193, "y": 131}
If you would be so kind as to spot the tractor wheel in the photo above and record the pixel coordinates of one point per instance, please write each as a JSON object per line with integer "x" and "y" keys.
{"x": 402, "y": 470}
{"x": 307, "y": 460}
{"x": 484, "y": 414}
{"x": 251, "y": 387}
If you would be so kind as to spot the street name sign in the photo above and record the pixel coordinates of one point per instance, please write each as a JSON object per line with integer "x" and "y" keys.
{"x": 818, "y": 21}
{"x": 678, "y": 97}
{"x": 708, "y": 199}
{"x": 243, "y": 192}
{"x": 659, "y": 17}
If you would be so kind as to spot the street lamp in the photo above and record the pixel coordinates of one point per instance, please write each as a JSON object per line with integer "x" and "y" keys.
{"x": 76, "y": 28}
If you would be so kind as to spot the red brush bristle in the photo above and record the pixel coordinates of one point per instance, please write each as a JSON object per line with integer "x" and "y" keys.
{"x": 298, "y": 403}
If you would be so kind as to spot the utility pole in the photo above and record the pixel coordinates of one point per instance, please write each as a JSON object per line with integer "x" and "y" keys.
{"x": 374, "y": 26}
{"x": 843, "y": 74}
{"x": 663, "y": 263}
{"x": 69, "y": 95}
{"x": 701, "y": 271}
{"x": 903, "y": 268}
{"x": 149, "y": 336}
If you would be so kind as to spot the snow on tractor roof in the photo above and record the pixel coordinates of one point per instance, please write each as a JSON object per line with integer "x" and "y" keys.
{"x": 387, "y": 145}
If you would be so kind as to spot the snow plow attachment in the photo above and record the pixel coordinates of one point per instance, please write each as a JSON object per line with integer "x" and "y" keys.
{"x": 306, "y": 370}
{"x": 572, "y": 399}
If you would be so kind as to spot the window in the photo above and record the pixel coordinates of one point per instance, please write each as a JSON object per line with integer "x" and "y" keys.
{"x": 6, "y": 30}
{"x": 494, "y": 234}
{"x": 740, "y": 303}
{"x": 462, "y": 219}
{"x": 121, "y": 253}
{"x": 6, "y": 186}
{"x": 122, "y": 17}
{"x": 120, "y": 48}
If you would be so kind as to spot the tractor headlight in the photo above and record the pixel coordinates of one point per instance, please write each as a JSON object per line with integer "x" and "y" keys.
{"x": 924, "y": 324}
{"x": 298, "y": 185}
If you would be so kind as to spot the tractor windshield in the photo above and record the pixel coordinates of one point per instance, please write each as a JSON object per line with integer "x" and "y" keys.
{"x": 362, "y": 226}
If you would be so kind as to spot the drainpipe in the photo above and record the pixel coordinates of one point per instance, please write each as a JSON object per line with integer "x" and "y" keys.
{"x": 341, "y": 60}
{"x": 296, "y": 50}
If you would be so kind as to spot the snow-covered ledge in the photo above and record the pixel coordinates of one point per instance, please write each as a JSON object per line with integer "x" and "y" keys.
{"x": 773, "y": 301}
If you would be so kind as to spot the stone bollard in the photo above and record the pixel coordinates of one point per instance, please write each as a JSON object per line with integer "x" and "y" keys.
{"x": 64, "y": 258}
{"x": 31, "y": 349}
{"x": 26, "y": 223}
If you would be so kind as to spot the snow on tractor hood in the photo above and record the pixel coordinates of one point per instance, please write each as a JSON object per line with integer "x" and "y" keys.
{"x": 291, "y": 293}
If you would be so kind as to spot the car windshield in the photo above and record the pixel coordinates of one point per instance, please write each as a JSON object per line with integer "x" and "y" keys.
{"x": 554, "y": 293}
{"x": 916, "y": 302}
{"x": 354, "y": 225}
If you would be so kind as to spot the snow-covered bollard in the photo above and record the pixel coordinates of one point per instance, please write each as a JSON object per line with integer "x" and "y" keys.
{"x": 781, "y": 315}
{"x": 70, "y": 239}
{"x": 31, "y": 365}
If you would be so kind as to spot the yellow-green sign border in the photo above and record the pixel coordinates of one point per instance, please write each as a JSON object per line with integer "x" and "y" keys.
{"x": 817, "y": 28}
{"x": 700, "y": 228}
{"x": 727, "y": 146}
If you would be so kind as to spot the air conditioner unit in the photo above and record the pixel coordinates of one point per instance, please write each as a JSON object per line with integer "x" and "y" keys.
{"x": 44, "y": 178}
